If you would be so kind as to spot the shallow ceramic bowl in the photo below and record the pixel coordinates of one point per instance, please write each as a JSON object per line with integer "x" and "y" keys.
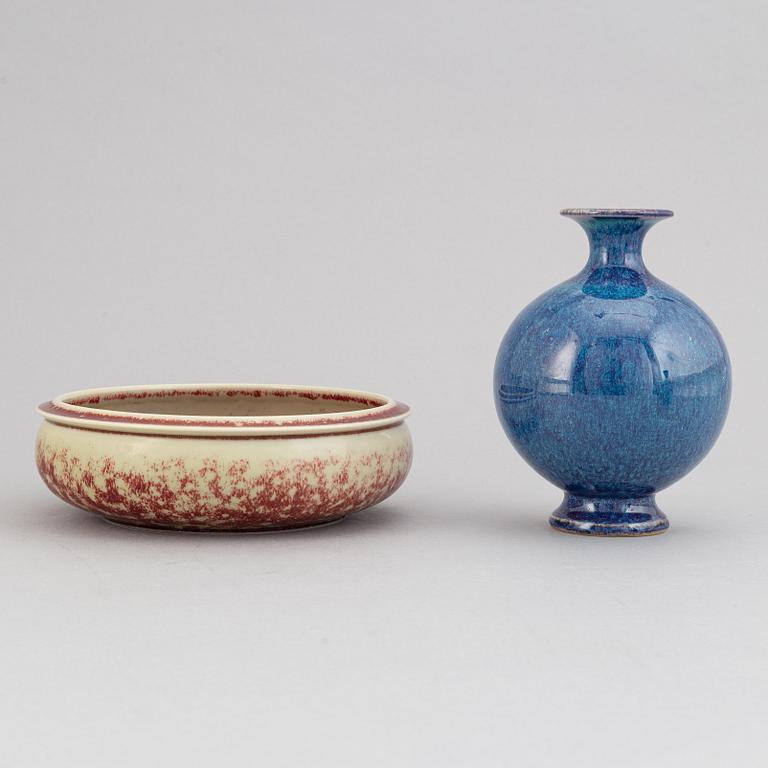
{"x": 223, "y": 457}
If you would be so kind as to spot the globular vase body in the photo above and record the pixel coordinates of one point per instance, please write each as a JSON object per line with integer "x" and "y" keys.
{"x": 612, "y": 385}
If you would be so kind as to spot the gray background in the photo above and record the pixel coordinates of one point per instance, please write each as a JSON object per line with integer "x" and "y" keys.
{"x": 365, "y": 194}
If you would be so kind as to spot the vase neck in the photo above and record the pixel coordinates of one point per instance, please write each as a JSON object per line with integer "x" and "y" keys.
{"x": 616, "y": 235}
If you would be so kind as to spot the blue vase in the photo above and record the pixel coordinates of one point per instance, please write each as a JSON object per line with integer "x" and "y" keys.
{"x": 612, "y": 385}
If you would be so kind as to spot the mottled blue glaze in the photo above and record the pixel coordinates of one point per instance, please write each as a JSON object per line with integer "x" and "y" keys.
{"x": 612, "y": 385}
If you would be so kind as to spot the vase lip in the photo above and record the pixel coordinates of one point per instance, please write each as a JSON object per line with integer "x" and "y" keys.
{"x": 616, "y": 213}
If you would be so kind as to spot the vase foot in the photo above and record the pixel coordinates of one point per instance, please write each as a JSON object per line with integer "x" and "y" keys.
{"x": 609, "y": 517}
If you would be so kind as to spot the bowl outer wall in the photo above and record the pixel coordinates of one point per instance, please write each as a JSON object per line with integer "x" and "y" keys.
{"x": 222, "y": 483}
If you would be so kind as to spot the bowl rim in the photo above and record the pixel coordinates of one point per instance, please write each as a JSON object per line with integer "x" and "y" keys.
{"x": 66, "y": 410}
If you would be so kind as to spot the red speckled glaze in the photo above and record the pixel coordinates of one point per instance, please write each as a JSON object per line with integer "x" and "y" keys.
{"x": 258, "y": 482}
{"x": 228, "y": 496}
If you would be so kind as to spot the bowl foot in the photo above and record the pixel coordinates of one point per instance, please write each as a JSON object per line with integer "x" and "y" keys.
{"x": 218, "y": 529}
{"x": 609, "y": 517}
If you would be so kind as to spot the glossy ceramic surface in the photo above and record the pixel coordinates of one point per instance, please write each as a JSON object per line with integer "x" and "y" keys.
{"x": 223, "y": 457}
{"x": 612, "y": 385}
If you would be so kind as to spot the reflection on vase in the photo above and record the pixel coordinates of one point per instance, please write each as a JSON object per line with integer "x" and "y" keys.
{"x": 613, "y": 384}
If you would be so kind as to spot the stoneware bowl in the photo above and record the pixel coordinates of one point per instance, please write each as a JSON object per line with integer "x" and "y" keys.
{"x": 223, "y": 457}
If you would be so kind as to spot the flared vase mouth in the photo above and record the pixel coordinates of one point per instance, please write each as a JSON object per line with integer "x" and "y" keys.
{"x": 215, "y": 410}
{"x": 616, "y": 213}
